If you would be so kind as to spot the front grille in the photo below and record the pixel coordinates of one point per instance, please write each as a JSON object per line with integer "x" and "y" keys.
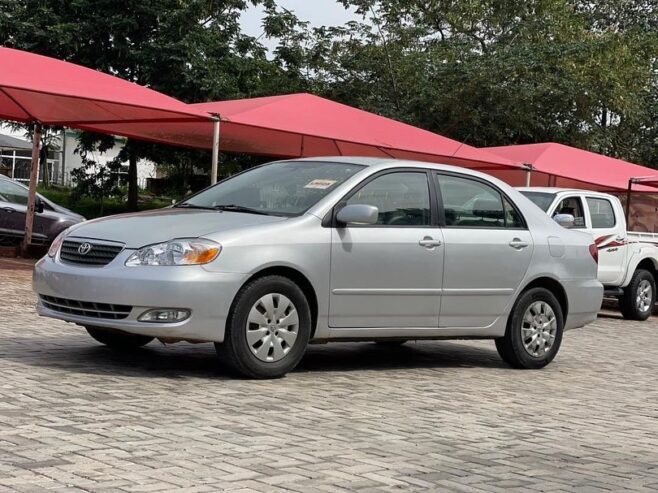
{"x": 99, "y": 253}
{"x": 86, "y": 308}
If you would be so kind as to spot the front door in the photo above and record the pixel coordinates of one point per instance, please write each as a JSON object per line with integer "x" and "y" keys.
{"x": 488, "y": 249}
{"x": 388, "y": 274}
{"x": 13, "y": 209}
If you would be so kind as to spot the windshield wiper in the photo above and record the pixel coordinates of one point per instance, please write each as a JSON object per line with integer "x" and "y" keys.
{"x": 240, "y": 208}
{"x": 192, "y": 206}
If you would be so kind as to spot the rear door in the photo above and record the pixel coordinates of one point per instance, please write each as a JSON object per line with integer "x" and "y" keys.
{"x": 488, "y": 249}
{"x": 610, "y": 238}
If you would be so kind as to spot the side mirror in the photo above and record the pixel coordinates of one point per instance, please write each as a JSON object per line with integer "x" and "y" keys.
{"x": 565, "y": 220}
{"x": 38, "y": 206}
{"x": 357, "y": 214}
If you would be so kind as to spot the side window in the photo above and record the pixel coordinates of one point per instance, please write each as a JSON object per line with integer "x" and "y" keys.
{"x": 403, "y": 199}
{"x": 472, "y": 204}
{"x": 601, "y": 212}
{"x": 573, "y": 206}
{"x": 12, "y": 193}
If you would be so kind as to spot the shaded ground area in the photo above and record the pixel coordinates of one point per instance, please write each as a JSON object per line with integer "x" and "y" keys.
{"x": 435, "y": 416}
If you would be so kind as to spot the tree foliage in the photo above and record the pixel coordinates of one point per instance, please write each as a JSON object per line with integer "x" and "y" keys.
{"x": 487, "y": 72}
{"x": 496, "y": 72}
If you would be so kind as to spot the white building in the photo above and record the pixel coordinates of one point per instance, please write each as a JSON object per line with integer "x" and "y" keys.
{"x": 16, "y": 151}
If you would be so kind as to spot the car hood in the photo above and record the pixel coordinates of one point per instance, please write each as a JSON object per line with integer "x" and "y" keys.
{"x": 146, "y": 228}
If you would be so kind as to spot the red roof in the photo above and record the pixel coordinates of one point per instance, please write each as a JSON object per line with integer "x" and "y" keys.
{"x": 298, "y": 125}
{"x": 576, "y": 168}
{"x": 39, "y": 88}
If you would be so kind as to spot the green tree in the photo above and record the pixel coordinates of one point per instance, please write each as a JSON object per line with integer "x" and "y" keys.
{"x": 492, "y": 72}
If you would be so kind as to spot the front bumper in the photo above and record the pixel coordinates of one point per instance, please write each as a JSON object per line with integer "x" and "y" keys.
{"x": 208, "y": 295}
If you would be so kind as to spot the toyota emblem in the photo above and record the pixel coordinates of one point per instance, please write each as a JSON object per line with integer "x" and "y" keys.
{"x": 84, "y": 248}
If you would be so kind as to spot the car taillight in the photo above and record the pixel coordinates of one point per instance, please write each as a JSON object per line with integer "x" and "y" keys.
{"x": 594, "y": 252}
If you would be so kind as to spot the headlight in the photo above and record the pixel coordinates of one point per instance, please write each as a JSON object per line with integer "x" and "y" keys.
{"x": 56, "y": 244}
{"x": 176, "y": 252}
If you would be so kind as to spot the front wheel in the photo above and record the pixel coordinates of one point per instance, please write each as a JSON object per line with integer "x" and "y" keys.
{"x": 268, "y": 329}
{"x": 639, "y": 296}
{"x": 118, "y": 340}
{"x": 534, "y": 330}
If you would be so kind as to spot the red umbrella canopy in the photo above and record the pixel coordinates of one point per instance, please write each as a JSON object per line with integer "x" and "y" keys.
{"x": 35, "y": 88}
{"x": 571, "y": 167}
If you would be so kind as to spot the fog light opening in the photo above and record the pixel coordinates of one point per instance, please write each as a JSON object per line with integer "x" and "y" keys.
{"x": 164, "y": 315}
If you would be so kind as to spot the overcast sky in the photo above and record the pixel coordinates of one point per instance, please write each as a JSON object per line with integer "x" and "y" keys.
{"x": 317, "y": 12}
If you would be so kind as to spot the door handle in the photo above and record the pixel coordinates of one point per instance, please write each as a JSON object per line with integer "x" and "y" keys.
{"x": 8, "y": 209}
{"x": 518, "y": 244}
{"x": 620, "y": 238}
{"x": 429, "y": 242}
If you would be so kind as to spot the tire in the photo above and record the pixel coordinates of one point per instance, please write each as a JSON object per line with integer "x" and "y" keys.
{"x": 639, "y": 296}
{"x": 118, "y": 340}
{"x": 274, "y": 354}
{"x": 537, "y": 305}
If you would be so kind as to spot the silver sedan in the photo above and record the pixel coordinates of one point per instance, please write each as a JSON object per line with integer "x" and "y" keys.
{"x": 328, "y": 249}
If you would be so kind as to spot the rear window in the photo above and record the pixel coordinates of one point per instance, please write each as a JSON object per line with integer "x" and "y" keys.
{"x": 601, "y": 213}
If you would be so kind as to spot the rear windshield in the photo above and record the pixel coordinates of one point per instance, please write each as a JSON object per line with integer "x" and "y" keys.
{"x": 542, "y": 199}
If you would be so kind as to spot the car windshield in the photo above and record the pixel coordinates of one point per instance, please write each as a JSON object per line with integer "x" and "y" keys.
{"x": 278, "y": 189}
{"x": 542, "y": 199}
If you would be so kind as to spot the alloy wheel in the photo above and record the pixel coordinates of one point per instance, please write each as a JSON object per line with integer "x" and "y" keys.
{"x": 644, "y": 295}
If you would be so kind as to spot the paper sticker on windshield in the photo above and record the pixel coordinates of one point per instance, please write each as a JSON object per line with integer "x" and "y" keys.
{"x": 320, "y": 184}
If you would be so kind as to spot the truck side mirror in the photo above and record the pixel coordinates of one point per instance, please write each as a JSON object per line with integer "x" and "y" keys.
{"x": 565, "y": 220}
{"x": 38, "y": 206}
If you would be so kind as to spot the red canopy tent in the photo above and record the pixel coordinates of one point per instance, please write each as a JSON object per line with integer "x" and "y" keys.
{"x": 304, "y": 125}
{"x": 558, "y": 165}
{"x": 41, "y": 90}
{"x": 298, "y": 125}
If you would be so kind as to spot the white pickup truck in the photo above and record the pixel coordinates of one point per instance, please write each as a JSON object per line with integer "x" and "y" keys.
{"x": 628, "y": 262}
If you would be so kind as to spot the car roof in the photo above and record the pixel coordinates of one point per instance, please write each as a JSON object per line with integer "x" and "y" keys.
{"x": 364, "y": 161}
{"x": 558, "y": 190}
{"x": 383, "y": 163}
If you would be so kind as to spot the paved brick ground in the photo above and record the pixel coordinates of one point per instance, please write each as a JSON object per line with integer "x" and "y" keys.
{"x": 434, "y": 416}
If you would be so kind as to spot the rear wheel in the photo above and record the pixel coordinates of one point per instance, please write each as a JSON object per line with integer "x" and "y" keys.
{"x": 639, "y": 297}
{"x": 268, "y": 329}
{"x": 534, "y": 330}
{"x": 118, "y": 340}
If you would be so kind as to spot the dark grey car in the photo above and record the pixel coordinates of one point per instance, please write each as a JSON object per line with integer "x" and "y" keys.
{"x": 50, "y": 220}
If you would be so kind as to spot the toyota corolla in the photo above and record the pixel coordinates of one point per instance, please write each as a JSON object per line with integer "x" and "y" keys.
{"x": 328, "y": 249}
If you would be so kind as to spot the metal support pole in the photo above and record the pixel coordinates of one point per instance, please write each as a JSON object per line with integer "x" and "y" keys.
{"x": 34, "y": 178}
{"x": 215, "y": 151}
{"x": 628, "y": 202}
{"x": 13, "y": 164}
{"x": 528, "y": 177}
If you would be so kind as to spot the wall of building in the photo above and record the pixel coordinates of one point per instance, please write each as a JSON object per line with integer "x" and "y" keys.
{"x": 64, "y": 159}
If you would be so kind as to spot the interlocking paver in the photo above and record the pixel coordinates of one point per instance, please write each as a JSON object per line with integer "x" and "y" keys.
{"x": 430, "y": 416}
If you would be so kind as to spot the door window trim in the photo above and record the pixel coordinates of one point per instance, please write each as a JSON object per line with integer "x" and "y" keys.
{"x": 503, "y": 197}
{"x": 329, "y": 221}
